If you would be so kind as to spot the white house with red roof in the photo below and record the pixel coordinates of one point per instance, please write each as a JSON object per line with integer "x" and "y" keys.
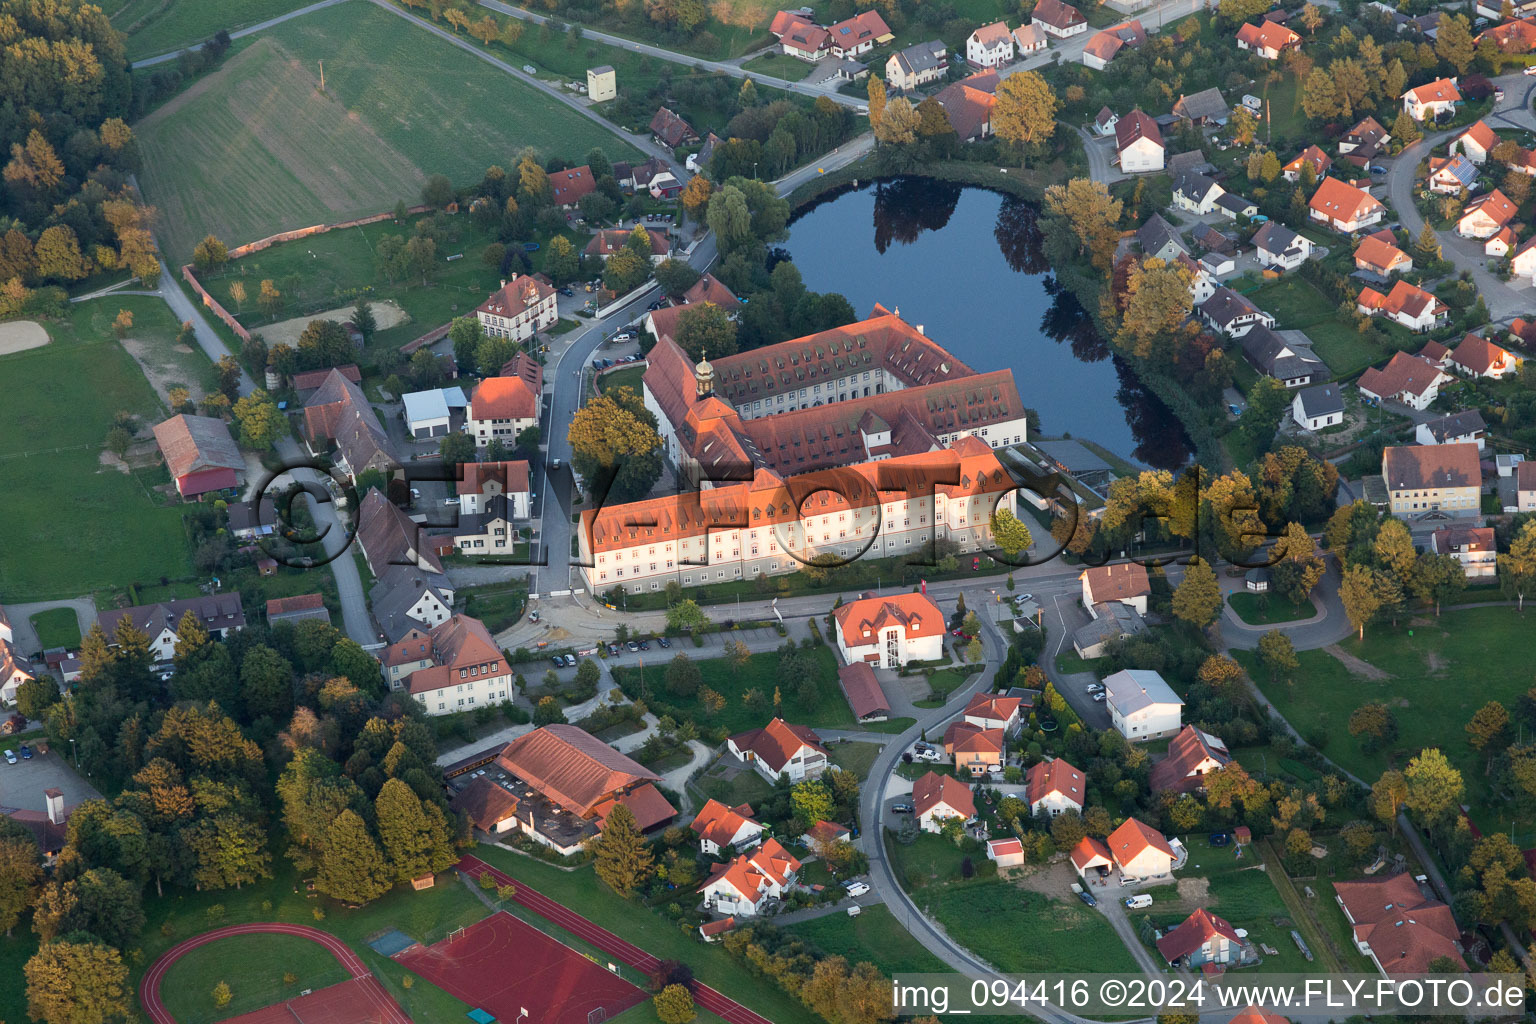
{"x": 1054, "y": 786}
{"x": 1476, "y": 142}
{"x": 1267, "y": 39}
{"x": 480, "y": 483}
{"x": 1058, "y": 19}
{"x": 1006, "y": 853}
{"x": 454, "y": 666}
{"x": 1476, "y": 356}
{"x": 722, "y": 828}
{"x": 502, "y": 407}
{"x": 1203, "y": 939}
{"x": 1408, "y": 304}
{"x": 1139, "y": 143}
{"x": 1192, "y": 755}
{"x": 990, "y": 46}
{"x": 1472, "y": 546}
{"x": 745, "y": 886}
{"x": 823, "y": 834}
{"x": 938, "y": 798}
{"x": 779, "y": 748}
{"x": 1432, "y": 99}
{"x": 800, "y": 37}
{"x": 992, "y": 711}
{"x": 1125, "y": 582}
{"x": 518, "y": 309}
{"x": 1319, "y": 160}
{"x": 1344, "y": 207}
{"x": 1484, "y": 216}
{"x": 889, "y": 632}
{"x": 1141, "y": 852}
{"x": 571, "y": 184}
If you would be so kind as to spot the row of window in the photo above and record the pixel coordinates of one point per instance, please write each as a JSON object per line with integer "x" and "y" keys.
{"x": 463, "y": 701}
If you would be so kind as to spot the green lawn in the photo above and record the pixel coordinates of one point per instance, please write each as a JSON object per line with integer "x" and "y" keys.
{"x": 498, "y": 607}
{"x": 253, "y": 966}
{"x": 71, "y": 525}
{"x": 856, "y": 757}
{"x": 826, "y": 708}
{"x": 1297, "y": 305}
{"x": 15, "y": 951}
{"x": 154, "y": 27}
{"x": 1265, "y": 609}
{"x": 779, "y": 65}
{"x": 628, "y": 377}
{"x": 57, "y": 627}
{"x": 233, "y": 155}
{"x": 1019, "y": 930}
{"x": 873, "y": 936}
{"x": 747, "y": 787}
{"x": 1432, "y": 666}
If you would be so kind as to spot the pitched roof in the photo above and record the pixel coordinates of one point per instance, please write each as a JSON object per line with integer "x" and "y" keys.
{"x": 1378, "y": 253}
{"x": 923, "y": 56}
{"x": 1134, "y": 127}
{"x": 749, "y": 872}
{"x": 862, "y": 690}
{"x": 389, "y": 537}
{"x": 519, "y": 294}
{"x": 827, "y": 832}
{"x": 1267, "y": 35}
{"x": 339, "y": 412}
{"x": 217, "y": 611}
{"x": 1108, "y": 42}
{"x": 866, "y": 26}
{"x": 989, "y": 36}
{"x": 667, "y": 126}
{"x": 1464, "y": 537}
{"x": 1054, "y": 776}
{"x": 610, "y": 240}
{"x": 1403, "y": 298}
{"x": 709, "y": 289}
{"x": 1255, "y": 1015}
{"x": 461, "y": 647}
{"x": 1493, "y": 205}
{"x": 485, "y": 803}
{"x": 1090, "y": 851}
{"x": 1186, "y": 752}
{"x": 1119, "y": 581}
{"x": 1441, "y": 90}
{"x": 1225, "y": 306}
{"x": 1431, "y": 466}
{"x": 1460, "y": 424}
{"x": 861, "y": 622}
{"x": 311, "y": 379}
{"x": 1133, "y": 689}
{"x": 1057, "y": 14}
{"x": 1028, "y": 36}
{"x": 195, "y": 444}
{"x": 1270, "y": 353}
{"x": 1485, "y": 137}
{"x": 1477, "y": 354}
{"x": 993, "y": 707}
{"x": 571, "y": 184}
{"x": 511, "y": 476}
{"x": 571, "y": 767}
{"x": 933, "y": 789}
{"x": 1403, "y": 373}
{"x": 1207, "y": 104}
{"x": 1321, "y": 400}
{"x": 962, "y": 737}
{"x": 1341, "y": 201}
{"x": 297, "y": 603}
{"x": 775, "y": 743}
{"x": 1405, "y": 930}
{"x": 1197, "y": 929}
{"x": 1525, "y": 476}
{"x": 504, "y": 398}
{"x": 1133, "y": 838}
{"x": 968, "y": 103}
{"x": 1274, "y": 237}
{"x": 720, "y": 824}
{"x": 1319, "y": 160}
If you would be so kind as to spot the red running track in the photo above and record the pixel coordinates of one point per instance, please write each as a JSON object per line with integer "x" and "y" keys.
{"x": 379, "y": 1005}
{"x": 715, "y": 1002}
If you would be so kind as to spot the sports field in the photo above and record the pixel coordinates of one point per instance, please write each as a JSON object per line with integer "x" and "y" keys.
{"x": 256, "y": 147}
{"x": 254, "y": 967}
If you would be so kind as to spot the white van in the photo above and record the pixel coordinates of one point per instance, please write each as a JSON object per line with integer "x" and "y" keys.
{"x": 853, "y": 911}
{"x": 1141, "y": 901}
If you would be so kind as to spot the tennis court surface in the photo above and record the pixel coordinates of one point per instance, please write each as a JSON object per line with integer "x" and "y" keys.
{"x": 506, "y": 966}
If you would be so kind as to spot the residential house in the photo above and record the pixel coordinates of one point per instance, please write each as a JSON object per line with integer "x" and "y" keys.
{"x": 571, "y": 184}
{"x": 1436, "y": 354}
{"x": 1476, "y": 356}
{"x": 973, "y": 748}
{"x": 1452, "y": 175}
{"x": 337, "y": 412}
{"x": 1378, "y": 254}
{"x": 1124, "y": 583}
{"x": 1205, "y": 108}
{"x": 1364, "y": 143}
{"x": 493, "y": 530}
{"x": 1402, "y": 930}
{"x": 1202, "y": 283}
{"x": 1192, "y": 754}
{"x": 993, "y": 711}
{"x": 1409, "y": 379}
{"x": 671, "y": 130}
{"x": 1476, "y": 142}
{"x": 1410, "y": 305}
{"x": 990, "y": 46}
{"x": 779, "y": 748}
{"x": 1138, "y": 143}
{"x": 863, "y": 693}
{"x": 937, "y": 798}
{"x": 890, "y": 631}
{"x": 1053, "y": 786}
{"x": 602, "y": 84}
{"x": 296, "y": 609}
{"x": 1141, "y": 852}
{"x": 1485, "y": 215}
{"x": 1058, "y": 19}
{"x": 824, "y": 834}
{"x": 1433, "y": 481}
{"x": 1344, "y": 207}
{"x": 1525, "y": 487}
{"x": 698, "y": 162}
{"x": 1501, "y": 243}
{"x": 1110, "y": 621}
{"x": 858, "y": 34}
{"x": 1160, "y": 240}
{"x": 454, "y": 666}
{"x": 1473, "y": 547}
{"x": 1106, "y": 45}
{"x": 1195, "y": 193}
{"x": 1432, "y": 100}
{"x": 388, "y": 538}
{"x": 1288, "y": 360}
{"x": 1092, "y": 860}
{"x": 1268, "y": 39}
{"x": 519, "y": 309}
{"x": 1203, "y": 941}
{"x": 1319, "y": 161}
{"x": 917, "y": 65}
{"x": 480, "y": 483}
{"x": 1006, "y": 853}
{"x": 502, "y": 407}
{"x": 1523, "y": 262}
{"x": 1029, "y": 39}
{"x": 1232, "y": 206}
{"x": 1104, "y": 123}
{"x": 14, "y": 669}
{"x": 800, "y": 37}
{"x": 1512, "y": 37}
{"x": 968, "y": 104}
{"x": 1142, "y": 706}
{"x": 1280, "y": 247}
{"x": 1465, "y": 427}
{"x": 1319, "y": 406}
{"x": 655, "y": 179}
{"x": 722, "y": 828}
{"x": 201, "y": 455}
{"x": 1232, "y": 314}
{"x": 306, "y": 383}
{"x": 220, "y": 614}
{"x": 610, "y": 240}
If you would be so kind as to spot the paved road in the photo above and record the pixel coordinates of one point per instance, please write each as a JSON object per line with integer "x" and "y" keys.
{"x": 378, "y": 1005}
{"x": 262, "y": 26}
{"x": 319, "y": 486}
{"x": 20, "y": 616}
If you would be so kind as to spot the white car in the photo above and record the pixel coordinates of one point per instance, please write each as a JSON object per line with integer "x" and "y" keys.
{"x": 1530, "y": 69}
{"x": 856, "y": 888}
{"x": 450, "y": 501}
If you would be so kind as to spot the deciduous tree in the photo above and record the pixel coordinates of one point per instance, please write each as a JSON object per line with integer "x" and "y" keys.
{"x": 210, "y": 254}
{"x": 1433, "y": 787}
{"x": 705, "y": 329}
{"x": 77, "y": 983}
{"x": 1025, "y": 112}
{"x": 1087, "y": 210}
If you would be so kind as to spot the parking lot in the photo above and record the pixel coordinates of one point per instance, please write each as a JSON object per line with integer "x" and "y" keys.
{"x": 22, "y": 783}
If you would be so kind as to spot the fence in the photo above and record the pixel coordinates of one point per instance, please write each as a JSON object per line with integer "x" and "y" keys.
{"x": 238, "y": 251}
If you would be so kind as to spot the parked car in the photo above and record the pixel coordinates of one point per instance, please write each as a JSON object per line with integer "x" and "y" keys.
{"x": 558, "y": 660}
{"x": 1141, "y": 901}
{"x": 632, "y": 647}
{"x": 856, "y": 888}
{"x": 26, "y": 752}
{"x": 653, "y": 307}
{"x": 1087, "y": 897}
{"x": 450, "y": 501}
{"x": 568, "y": 293}
{"x": 613, "y": 650}
{"x": 1095, "y": 687}
{"x": 645, "y": 645}
{"x": 570, "y": 661}
{"x": 529, "y": 69}
{"x": 663, "y": 642}
{"x": 895, "y": 808}
{"x": 555, "y": 465}
{"x": 1530, "y": 69}
{"x": 10, "y": 757}
{"x": 1023, "y": 597}
{"x": 1100, "y": 697}
{"x": 533, "y": 616}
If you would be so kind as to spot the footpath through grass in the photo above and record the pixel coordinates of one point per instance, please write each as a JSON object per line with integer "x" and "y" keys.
{"x": 254, "y": 967}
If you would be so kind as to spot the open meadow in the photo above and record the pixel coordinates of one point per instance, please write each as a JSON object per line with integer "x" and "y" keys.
{"x": 69, "y": 524}
{"x": 256, "y": 147}
{"x": 153, "y": 27}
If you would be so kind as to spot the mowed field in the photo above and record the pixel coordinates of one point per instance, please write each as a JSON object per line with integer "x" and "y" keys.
{"x": 68, "y": 525}
{"x": 154, "y": 27}
{"x": 256, "y": 148}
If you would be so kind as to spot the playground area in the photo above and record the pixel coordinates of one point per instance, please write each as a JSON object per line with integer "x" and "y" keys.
{"x": 512, "y": 970}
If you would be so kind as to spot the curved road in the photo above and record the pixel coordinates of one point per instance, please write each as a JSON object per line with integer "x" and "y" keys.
{"x": 387, "y": 1009}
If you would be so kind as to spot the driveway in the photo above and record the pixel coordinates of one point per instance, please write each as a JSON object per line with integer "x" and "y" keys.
{"x": 20, "y": 616}
{"x": 1114, "y": 912}
{"x": 1100, "y": 151}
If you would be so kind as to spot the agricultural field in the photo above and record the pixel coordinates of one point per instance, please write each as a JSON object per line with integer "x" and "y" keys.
{"x": 153, "y": 27}
{"x": 71, "y": 523}
{"x": 256, "y": 148}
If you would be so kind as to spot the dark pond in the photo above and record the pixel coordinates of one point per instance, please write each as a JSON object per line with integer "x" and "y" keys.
{"x": 967, "y": 264}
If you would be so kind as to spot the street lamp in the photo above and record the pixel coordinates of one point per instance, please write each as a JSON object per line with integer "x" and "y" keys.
{"x": 74, "y": 753}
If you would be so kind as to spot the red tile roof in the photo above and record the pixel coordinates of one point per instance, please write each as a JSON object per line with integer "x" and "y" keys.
{"x": 1485, "y": 137}
{"x": 571, "y": 767}
{"x": 195, "y": 444}
{"x": 511, "y": 476}
{"x": 861, "y": 622}
{"x": 1319, "y": 160}
{"x": 749, "y": 872}
{"x": 965, "y": 738}
{"x": 775, "y": 743}
{"x": 862, "y": 690}
{"x": 1405, "y": 930}
{"x": 1118, "y": 582}
{"x": 1268, "y": 35}
{"x": 1477, "y": 354}
{"x": 1440, "y": 91}
{"x": 1054, "y": 776}
{"x": 864, "y": 27}
{"x": 645, "y": 802}
{"x": 1255, "y": 1015}
{"x": 1403, "y": 373}
{"x": 1057, "y": 14}
{"x": 1133, "y": 838}
{"x": 1416, "y": 467}
{"x": 1136, "y": 126}
{"x": 1197, "y": 929}
{"x": 504, "y": 398}
{"x": 968, "y": 103}
{"x": 1341, "y": 201}
{"x": 610, "y": 240}
{"x": 1493, "y": 205}
{"x": 720, "y": 824}
{"x": 516, "y": 296}
{"x": 571, "y": 184}
{"x": 934, "y": 789}
{"x": 486, "y": 803}
{"x": 311, "y": 379}
{"x": 1186, "y": 752}
{"x": 300, "y": 603}
{"x": 991, "y": 706}
{"x": 1379, "y": 255}
{"x": 667, "y": 126}
{"x": 1089, "y": 852}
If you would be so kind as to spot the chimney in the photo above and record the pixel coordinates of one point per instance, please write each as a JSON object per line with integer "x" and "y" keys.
{"x": 55, "y": 800}
{"x": 921, "y": 330}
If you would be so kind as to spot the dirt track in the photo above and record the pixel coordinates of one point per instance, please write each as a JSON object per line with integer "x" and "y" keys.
{"x": 21, "y": 335}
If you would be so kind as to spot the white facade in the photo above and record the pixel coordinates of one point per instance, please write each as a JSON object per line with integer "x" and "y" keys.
{"x": 1328, "y": 419}
{"x": 1142, "y": 706}
{"x": 466, "y": 695}
{"x": 1142, "y": 155}
{"x": 933, "y": 819}
{"x": 989, "y": 47}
